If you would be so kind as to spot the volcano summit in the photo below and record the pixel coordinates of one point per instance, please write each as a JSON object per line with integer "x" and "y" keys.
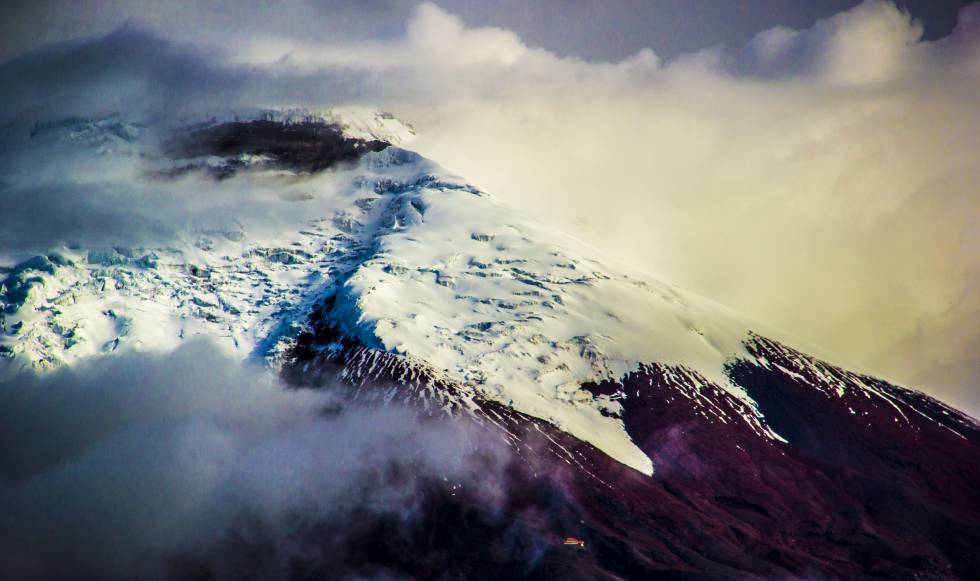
{"x": 671, "y": 436}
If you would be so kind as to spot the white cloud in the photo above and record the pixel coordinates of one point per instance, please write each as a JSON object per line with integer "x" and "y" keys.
{"x": 437, "y": 35}
{"x": 115, "y": 468}
{"x": 872, "y": 43}
{"x": 829, "y": 190}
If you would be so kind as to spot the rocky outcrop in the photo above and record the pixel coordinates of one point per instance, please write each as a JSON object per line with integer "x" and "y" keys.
{"x": 846, "y": 490}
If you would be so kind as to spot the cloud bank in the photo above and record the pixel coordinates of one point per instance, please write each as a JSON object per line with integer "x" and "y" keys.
{"x": 121, "y": 467}
{"x": 823, "y": 181}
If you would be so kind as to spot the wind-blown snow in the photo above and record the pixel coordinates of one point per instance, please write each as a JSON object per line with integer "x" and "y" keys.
{"x": 421, "y": 264}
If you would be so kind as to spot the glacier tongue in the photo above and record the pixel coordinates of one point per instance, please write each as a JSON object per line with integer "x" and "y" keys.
{"x": 420, "y": 263}
{"x": 522, "y": 314}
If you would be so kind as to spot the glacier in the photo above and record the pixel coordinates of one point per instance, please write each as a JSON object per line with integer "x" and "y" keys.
{"x": 416, "y": 261}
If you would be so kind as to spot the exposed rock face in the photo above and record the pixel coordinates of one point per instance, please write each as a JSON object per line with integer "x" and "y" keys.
{"x": 851, "y": 493}
{"x": 304, "y": 146}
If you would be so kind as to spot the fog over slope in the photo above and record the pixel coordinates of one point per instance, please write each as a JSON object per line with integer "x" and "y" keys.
{"x": 822, "y": 181}
{"x": 118, "y": 466}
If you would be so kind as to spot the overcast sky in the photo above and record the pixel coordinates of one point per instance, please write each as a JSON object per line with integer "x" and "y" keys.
{"x": 589, "y": 29}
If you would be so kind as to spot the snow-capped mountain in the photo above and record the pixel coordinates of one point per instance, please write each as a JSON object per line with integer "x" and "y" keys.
{"x": 694, "y": 441}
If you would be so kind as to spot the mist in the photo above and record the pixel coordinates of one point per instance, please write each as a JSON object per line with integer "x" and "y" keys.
{"x": 821, "y": 181}
{"x": 121, "y": 467}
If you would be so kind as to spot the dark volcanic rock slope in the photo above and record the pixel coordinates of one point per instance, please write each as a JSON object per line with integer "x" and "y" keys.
{"x": 870, "y": 480}
{"x": 307, "y": 146}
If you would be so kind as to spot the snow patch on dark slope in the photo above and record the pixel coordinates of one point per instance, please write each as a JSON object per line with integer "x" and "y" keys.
{"x": 681, "y": 438}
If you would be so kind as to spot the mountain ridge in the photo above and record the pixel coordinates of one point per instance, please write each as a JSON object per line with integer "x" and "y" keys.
{"x": 343, "y": 260}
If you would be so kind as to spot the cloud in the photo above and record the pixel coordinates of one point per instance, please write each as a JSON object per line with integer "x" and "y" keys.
{"x": 821, "y": 181}
{"x": 126, "y": 70}
{"x": 434, "y": 33}
{"x": 872, "y": 43}
{"x": 120, "y": 466}
{"x": 825, "y": 186}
